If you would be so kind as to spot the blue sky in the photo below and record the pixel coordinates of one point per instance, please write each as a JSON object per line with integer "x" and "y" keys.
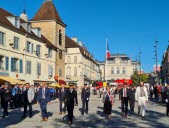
{"x": 129, "y": 25}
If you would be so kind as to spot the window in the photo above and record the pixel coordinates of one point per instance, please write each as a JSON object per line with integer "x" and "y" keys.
{"x": 38, "y": 50}
{"x": 7, "y": 63}
{"x": 1, "y": 62}
{"x": 14, "y": 64}
{"x": 60, "y": 37}
{"x": 50, "y": 70}
{"x": 75, "y": 71}
{"x": 50, "y": 52}
{"x": 39, "y": 69}
{"x": 60, "y": 72}
{"x": 68, "y": 72}
{"x": 28, "y": 67}
{"x": 75, "y": 59}
{"x": 29, "y": 47}
{"x": 118, "y": 71}
{"x": 124, "y": 70}
{"x": 2, "y": 39}
{"x": 68, "y": 59}
{"x": 112, "y": 70}
{"x": 17, "y": 23}
{"x": 60, "y": 54}
{"x": 16, "y": 43}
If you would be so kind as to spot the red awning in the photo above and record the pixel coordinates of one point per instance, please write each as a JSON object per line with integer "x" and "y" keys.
{"x": 62, "y": 82}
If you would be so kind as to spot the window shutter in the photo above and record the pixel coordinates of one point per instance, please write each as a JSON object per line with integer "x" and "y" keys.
{"x": 39, "y": 69}
{"x": 12, "y": 64}
{"x": 32, "y": 48}
{"x": 51, "y": 71}
{"x": 7, "y": 63}
{"x": 27, "y": 46}
{"x": 21, "y": 66}
{"x": 30, "y": 67}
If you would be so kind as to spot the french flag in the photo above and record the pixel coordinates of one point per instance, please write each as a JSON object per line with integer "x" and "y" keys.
{"x": 107, "y": 52}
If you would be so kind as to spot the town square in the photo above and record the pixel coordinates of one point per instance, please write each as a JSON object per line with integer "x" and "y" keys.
{"x": 84, "y": 64}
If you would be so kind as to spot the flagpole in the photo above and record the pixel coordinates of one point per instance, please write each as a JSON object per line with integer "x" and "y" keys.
{"x": 106, "y": 62}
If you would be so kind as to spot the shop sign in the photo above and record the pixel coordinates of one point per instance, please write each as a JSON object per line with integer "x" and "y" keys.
{"x": 4, "y": 74}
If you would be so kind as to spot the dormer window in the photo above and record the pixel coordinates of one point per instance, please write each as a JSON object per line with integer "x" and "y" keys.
{"x": 29, "y": 28}
{"x": 14, "y": 20}
{"x": 37, "y": 31}
{"x": 17, "y": 23}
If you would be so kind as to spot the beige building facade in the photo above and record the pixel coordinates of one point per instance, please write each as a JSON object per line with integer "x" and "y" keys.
{"x": 25, "y": 54}
{"x": 80, "y": 65}
{"x": 118, "y": 66}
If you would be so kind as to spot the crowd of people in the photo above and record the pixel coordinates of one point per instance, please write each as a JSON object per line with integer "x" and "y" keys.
{"x": 26, "y": 95}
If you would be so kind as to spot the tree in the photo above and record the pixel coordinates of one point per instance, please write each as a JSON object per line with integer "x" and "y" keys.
{"x": 136, "y": 78}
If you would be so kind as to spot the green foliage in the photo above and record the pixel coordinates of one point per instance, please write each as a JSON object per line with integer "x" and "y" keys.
{"x": 136, "y": 78}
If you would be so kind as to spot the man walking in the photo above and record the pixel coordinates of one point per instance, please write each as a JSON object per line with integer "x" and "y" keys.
{"x": 132, "y": 92}
{"x": 6, "y": 97}
{"x": 124, "y": 97}
{"x": 85, "y": 99}
{"x": 29, "y": 95}
{"x": 142, "y": 97}
{"x": 61, "y": 95}
{"x": 69, "y": 100}
{"x": 43, "y": 99}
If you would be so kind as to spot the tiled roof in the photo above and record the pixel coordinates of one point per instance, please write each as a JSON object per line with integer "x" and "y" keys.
{"x": 5, "y": 22}
{"x": 69, "y": 43}
{"x": 47, "y": 12}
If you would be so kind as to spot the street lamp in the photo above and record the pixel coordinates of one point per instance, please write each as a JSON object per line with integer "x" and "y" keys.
{"x": 156, "y": 58}
{"x": 140, "y": 62}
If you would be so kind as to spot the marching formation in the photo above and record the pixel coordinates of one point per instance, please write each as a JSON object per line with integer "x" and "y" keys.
{"x": 26, "y": 95}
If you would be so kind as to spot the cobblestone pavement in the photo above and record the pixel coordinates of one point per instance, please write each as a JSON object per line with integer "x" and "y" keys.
{"x": 155, "y": 117}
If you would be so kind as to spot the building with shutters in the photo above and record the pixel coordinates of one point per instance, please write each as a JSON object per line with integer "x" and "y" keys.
{"x": 118, "y": 66}
{"x": 25, "y": 53}
{"x": 81, "y": 67}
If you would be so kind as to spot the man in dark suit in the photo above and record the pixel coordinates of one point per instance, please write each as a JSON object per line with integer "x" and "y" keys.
{"x": 167, "y": 100}
{"x": 69, "y": 100}
{"x": 124, "y": 97}
{"x": 61, "y": 95}
{"x": 29, "y": 94}
{"x": 85, "y": 98}
{"x": 7, "y": 97}
{"x": 132, "y": 92}
{"x": 43, "y": 99}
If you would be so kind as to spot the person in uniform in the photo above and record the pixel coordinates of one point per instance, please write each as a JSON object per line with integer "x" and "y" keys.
{"x": 69, "y": 101}
{"x": 85, "y": 98}
{"x": 43, "y": 99}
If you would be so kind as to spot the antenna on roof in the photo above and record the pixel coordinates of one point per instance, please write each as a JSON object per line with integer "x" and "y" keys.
{"x": 24, "y": 8}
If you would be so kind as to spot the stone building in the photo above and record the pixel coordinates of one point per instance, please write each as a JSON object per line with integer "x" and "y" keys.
{"x": 53, "y": 28}
{"x": 80, "y": 64}
{"x": 25, "y": 53}
{"x": 118, "y": 66}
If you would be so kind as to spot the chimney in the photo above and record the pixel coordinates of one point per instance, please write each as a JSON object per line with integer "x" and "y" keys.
{"x": 74, "y": 39}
